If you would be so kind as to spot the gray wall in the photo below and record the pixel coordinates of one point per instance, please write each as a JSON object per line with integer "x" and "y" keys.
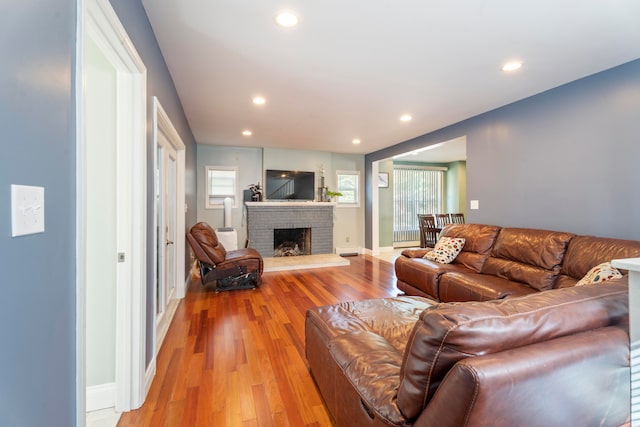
{"x": 37, "y": 320}
{"x": 159, "y": 83}
{"x": 37, "y": 327}
{"x": 566, "y": 159}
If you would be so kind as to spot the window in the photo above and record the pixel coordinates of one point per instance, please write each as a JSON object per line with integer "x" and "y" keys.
{"x": 221, "y": 183}
{"x": 416, "y": 190}
{"x": 349, "y": 186}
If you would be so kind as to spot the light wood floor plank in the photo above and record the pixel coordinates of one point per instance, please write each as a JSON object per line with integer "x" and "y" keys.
{"x": 237, "y": 358}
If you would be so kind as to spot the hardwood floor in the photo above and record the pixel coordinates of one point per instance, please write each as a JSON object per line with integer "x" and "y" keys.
{"x": 237, "y": 358}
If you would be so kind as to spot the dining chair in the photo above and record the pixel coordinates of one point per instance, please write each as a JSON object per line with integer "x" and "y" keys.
{"x": 428, "y": 230}
{"x": 442, "y": 220}
{"x": 456, "y": 218}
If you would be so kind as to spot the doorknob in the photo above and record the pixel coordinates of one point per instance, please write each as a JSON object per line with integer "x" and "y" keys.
{"x": 168, "y": 242}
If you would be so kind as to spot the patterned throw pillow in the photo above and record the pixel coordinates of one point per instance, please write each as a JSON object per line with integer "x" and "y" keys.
{"x": 600, "y": 273}
{"x": 446, "y": 250}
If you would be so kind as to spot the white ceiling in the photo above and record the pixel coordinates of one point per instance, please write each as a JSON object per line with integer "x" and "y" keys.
{"x": 350, "y": 69}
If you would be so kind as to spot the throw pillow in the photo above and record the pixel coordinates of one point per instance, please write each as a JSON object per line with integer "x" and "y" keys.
{"x": 446, "y": 250}
{"x": 600, "y": 273}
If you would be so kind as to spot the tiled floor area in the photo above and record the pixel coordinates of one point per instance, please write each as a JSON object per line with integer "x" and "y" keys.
{"x": 304, "y": 261}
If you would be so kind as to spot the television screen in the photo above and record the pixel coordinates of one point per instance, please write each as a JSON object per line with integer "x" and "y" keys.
{"x": 289, "y": 185}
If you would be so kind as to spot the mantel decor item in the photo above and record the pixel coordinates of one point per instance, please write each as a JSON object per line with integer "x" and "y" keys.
{"x": 383, "y": 179}
{"x": 256, "y": 192}
{"x": 333, "y": 194}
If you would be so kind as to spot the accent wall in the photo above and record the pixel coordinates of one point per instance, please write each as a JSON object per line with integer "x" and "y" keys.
{"x": 566, "y": 159}
{"x": 37, "y": 321}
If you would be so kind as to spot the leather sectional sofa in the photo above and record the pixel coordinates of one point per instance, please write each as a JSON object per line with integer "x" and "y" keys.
{"x": 500, "y": 262}
{"x": 524, "y": 346}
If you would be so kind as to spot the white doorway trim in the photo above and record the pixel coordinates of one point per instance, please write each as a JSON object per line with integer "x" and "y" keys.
{"x": 162, "y": 125}
{"x": 97, "y": 20}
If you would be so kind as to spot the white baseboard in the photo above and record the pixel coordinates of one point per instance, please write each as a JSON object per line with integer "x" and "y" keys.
{"x": 407, "y": 244}
{"x": 382, "y": 249}
{"x": 149, "y": 376}
{"x": 101, "y": 396}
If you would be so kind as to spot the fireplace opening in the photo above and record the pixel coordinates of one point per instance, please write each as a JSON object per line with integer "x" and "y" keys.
{"x": 291, "y": 242}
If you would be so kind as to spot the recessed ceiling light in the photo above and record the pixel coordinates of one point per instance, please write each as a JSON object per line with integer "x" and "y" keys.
{"x": 259, "y": 100}
{"x": 356, "y": 141}
{"x": 512, "y": 66}
{"x": 406, "y": 118}
{"x": 247, "y": 132}
{"x": 286, "y": 19}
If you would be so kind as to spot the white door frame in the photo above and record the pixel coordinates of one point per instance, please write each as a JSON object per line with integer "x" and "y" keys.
{"x": 97, "y": 19}
{"x": 163, "y": 125}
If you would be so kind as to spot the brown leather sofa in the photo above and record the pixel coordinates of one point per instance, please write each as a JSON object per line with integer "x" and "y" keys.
{"x": 498, "y": 263}
{"x": 553, "y": 358}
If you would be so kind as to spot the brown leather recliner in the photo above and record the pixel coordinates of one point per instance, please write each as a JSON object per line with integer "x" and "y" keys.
{"x": 238, "y": 269}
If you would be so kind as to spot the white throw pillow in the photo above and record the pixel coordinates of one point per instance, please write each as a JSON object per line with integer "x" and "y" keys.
{"x": 446, "y": 250}
{"x": 600, "y": 273}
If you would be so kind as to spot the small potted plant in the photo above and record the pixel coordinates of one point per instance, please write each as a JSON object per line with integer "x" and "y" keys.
{"x": 333, "y": 194}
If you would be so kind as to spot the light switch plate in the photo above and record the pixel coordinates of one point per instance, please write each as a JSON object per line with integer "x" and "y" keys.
{"x": 27, "y": 210}
{"x": 474, "y": 204}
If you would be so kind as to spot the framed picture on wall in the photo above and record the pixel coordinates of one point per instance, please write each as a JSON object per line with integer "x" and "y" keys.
{"x": 383, "y": 179}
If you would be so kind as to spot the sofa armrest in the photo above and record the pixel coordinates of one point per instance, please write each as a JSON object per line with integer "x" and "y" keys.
{"x": 581, "y": 379}
{"x": 415, "y": 253}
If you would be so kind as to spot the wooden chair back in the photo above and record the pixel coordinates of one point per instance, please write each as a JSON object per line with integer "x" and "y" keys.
{"x": 456, "y": 218}
{"x": 428, "y": 230}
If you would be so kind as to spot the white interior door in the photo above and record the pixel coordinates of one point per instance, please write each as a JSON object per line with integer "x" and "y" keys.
{"x": 166, "y": 234}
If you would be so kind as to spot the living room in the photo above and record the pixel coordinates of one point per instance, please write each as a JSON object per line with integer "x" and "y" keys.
{"x": 565, "y": 159}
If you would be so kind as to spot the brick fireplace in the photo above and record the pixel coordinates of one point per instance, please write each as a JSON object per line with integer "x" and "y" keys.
{"x": 265, "y": 217}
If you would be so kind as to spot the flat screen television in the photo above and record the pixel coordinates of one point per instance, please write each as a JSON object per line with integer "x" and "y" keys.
{"x": 289, "y": 185}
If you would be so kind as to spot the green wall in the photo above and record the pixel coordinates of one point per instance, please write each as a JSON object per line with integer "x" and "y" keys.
{"x": 455, "y": 184}
{"x": 385, "y": 209}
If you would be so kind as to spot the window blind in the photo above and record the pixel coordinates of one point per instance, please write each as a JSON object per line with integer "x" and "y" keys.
{"x": 416, "y": 190}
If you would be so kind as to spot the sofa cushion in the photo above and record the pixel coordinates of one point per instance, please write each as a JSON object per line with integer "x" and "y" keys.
{"x": 391, "y": 318}
{"x": 600, "y": 273}
{"x": 479, "y": 239}
{"x": 528, "y": 256}
{"x": 446, "y": 250}
{"x": 457, "y": 286}
{"x": 449, "y": 332}
{"x": 585, "y": 252}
